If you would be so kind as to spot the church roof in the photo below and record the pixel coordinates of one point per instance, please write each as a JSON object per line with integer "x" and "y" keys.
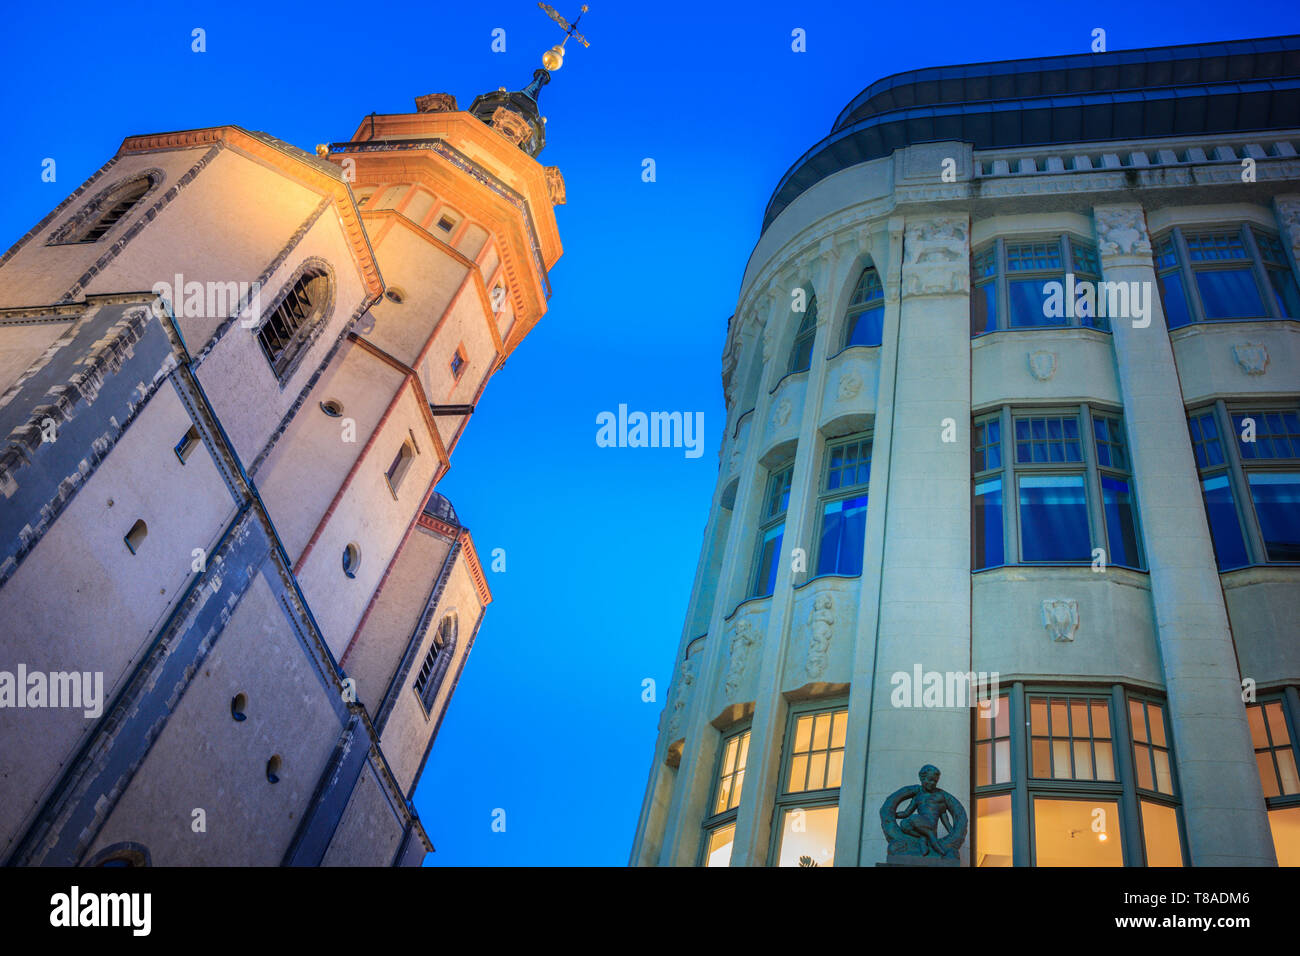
{"x": 1228, "y": 87}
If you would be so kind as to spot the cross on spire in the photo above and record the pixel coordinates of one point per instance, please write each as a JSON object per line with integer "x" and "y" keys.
{"x": 553, "y": 58}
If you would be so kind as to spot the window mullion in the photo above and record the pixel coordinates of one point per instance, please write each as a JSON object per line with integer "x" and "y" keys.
{"x": 1130, "y": 814}
{"x": 1002, "y": 296}
{"x": 1096, "y": 504}
{"x": 1010, "y": 495}
{"x": 1191, "y": 289}
{"x": 1020, "y": 848}
{"x": 1067, "y": 267}
{"x": 1245, "y": 503}
{"x": 1261, "y": 273}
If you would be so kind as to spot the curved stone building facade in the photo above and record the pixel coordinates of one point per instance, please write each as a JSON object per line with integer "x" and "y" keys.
{"x": 1010, "y": 481}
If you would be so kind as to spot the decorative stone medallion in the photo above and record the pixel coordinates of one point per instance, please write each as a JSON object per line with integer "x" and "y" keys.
{"x": 782, "y": 413}
{"x": 1061, "y": 618}
{"x": 849, "y": 387}
{"x": 1252, "y": 357}
{"x": 1042, "y": 365}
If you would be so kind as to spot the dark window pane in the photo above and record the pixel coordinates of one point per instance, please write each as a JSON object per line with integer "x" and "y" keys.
{"x": 1225, "y": 529}
{"x": 1027, "y": 302}
{"x": 1174, "y": 300}
{"x": 1284, "y": 291}
{"x": 1277, "y": 505}
{"x": 987, "y": 530}
{"x": 1230, "y": 294}
{"x": 1121, "y": 522}
{"x": 1054, "y": 518}
{"x": 769, "y": 555}
{"x": 844, "y": 526}
{"x": 868, "y": 327}
{"x": 984, "y": 308}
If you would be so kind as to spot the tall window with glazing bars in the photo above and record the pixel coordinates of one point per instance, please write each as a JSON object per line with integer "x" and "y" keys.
{"x": 1067, "y": 473}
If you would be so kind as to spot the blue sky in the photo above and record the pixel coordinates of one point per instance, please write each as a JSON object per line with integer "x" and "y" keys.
{"x": 548, "y": 722}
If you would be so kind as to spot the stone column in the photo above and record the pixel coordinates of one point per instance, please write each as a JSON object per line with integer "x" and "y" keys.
{"x": 1223, "y": 803}
{"x": 855, "y": 817}
{"x": 686, "y": 811}
{"x": 925, "y": 578}
{"x": 754, "y": 829}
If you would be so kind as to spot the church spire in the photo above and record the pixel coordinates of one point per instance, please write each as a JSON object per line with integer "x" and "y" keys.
{"x": 516, "y": 114}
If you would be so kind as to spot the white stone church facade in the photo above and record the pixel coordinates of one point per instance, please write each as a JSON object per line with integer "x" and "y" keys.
{"x": 939, "y": 466}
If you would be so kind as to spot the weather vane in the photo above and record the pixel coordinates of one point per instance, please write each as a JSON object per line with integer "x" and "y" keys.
{"x": 553, "y": 58}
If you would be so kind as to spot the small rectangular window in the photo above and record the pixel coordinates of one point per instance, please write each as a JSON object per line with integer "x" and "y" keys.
{"x": 189, "y": 441}
{"x": 1150, "y": 747}
{"x": 1274, "y": 753}
{"x": 1054, "y": 518}
{"x": 993, "y": 743}
{"x": 446, "y": 224}
{"x": 398, "y": 469}
{"x": 1070, "y": 738}
{"x": 457, "y": 364}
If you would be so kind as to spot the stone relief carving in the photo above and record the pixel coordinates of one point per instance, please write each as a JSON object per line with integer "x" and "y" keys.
{"x": 1252, "y": 357}
{"x": 737, "y": 453}
{"x": 554, "y": 185}
{"x": 742, "y": 639}
{"x": 849, "y": 387}
{"x": 436, "y": 103}
{"x": 1042, "y": 365}
{"x": 1121, "y": 230}
{"x": 511, "y": 125}
{"x": 782, "y": 413}
{"x": 935, "y": 258}
{"x": 821, "y": 628}
{"x": 1288, "y": 210}
{"x": 683, "y": 698}
{"x": 767, "y": 344}
{"x": 1061, "y": 618}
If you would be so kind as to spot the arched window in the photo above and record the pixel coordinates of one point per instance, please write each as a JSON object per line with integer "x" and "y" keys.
{"x": 104, "y": 211}
{"x": 865, "y": 318}
{"x": 289, "y": 326}
{"x": 801, "y": 354}
{"x": 436, "y": 662}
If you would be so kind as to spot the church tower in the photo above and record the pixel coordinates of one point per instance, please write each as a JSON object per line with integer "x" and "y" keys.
{"x": 232, "y": 374}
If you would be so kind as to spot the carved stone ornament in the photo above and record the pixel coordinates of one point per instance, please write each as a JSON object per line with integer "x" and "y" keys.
{"x": 742, "y": 639}
{"x": 1061, "y": 618}
{"x": 1121, "y": 231}
{"x": 935, "y": 258}
{"x": 554, "y": 185}
{"x": 511, "y": 125}
{"x": 1288, "y": 212}
{"x": 767, "y": 344}
{"x": 821, "y": 628}
{"x": 683, "y": 698}
{"x": 1252, "y": 357}
{"x": 913, "y": 830}
{"x": 436, "y": 103}
{"x": 849, "y": 387}
{"x": 737, "y": 453}
{"x": 782, "y": 413}
{"x": 1042, "y": 365}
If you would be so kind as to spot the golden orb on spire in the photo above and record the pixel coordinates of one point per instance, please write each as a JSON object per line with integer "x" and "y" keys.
{"x": 553, "y": 58}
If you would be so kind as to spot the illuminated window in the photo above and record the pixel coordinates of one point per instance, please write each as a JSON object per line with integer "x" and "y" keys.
{"x": 772, "y": 530}
{"x": 807, "y": 805}
{"x": 1150, "y": 747}
{"x": 1274, "y": 739}
{"x": 1077, "y": 832}
{"x": 1075, "y": 798}
{"x": 1070, "y": 738}
{"x": 720, "y": 827}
